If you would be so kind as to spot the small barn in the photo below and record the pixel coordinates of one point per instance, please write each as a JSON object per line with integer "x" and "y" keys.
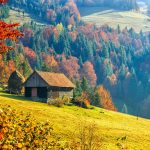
{"x": 44, "y": 85}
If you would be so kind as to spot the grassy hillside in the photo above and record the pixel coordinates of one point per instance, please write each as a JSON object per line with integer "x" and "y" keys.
{"x": 18, "y": 17}
{"x": 15, "y": 16}
{"x": 101, "y": 16}
{"x": 98, "y": 16}
{"x": 66, "y": 120}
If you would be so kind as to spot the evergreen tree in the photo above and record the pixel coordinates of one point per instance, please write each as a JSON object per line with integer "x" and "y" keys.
{"x": 78, "y": 90}
{"x": 125, "y": 109}
{"x": 26, "y": 68}
{"x": 105, "y": 51}
{"x": 123, "y": 55}
{"x": 84, "y": 84}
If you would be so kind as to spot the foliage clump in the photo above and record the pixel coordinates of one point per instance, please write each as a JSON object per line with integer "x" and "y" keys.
{"x": 21, "y": 131}
{"x": 105, "y": 99}
{"x": 87, "y": 137}
{"x": 82, "y": 101}
{"x": 59, "y": 102}
{"x": 84, "y": 95}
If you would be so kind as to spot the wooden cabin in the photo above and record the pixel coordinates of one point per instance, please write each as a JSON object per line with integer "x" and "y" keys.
{"x": 41, "y": 86}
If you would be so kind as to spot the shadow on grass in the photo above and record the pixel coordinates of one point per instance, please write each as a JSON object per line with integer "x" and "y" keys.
{"x": 13, "y": 96}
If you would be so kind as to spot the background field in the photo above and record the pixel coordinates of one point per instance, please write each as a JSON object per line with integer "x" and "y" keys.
{"x": 98, "y": 16}
{"x": 18, "y": 17}
{"x": 101, "y": 16}
{"x": 66, "y": 121}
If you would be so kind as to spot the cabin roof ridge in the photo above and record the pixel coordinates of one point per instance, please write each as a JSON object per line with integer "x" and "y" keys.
{"x": 54, "y": 79}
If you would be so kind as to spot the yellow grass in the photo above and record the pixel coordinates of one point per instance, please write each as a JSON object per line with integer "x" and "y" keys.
{"x": 18, "y": 17}
{"x": 66, "y": 120}
{"x": 101, "y": 16}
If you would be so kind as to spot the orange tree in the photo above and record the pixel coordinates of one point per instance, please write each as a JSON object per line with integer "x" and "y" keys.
{"x": 7, "y": 31}
{"x": 105, "y": 99}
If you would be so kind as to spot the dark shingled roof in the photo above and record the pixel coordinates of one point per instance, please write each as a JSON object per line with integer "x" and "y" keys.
{"x": 55, "y": 79}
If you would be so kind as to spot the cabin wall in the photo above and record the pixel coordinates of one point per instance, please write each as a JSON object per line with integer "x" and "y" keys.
{"x": 59, "y": 93}
{"x": 36, "y": 94}
{"x": 66, "y": 93}
{"x": 35, "y": 81}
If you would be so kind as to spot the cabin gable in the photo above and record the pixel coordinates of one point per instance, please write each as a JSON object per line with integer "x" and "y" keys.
{"x": 35, "y": 81}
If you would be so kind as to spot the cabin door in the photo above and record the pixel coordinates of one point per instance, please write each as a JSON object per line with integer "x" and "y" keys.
{"x": 34, "y": 92}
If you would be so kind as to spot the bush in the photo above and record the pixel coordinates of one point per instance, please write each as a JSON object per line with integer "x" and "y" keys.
{"x": 59, "y": 102}
{"x": 87, "y": 138}
{"x": 82, "y": 101}
{"x": 20, "y": 131}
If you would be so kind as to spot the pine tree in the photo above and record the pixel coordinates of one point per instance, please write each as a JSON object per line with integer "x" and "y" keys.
{"x": 124, "y": 109}
{"x": 78, "y": 90}
{"x": 26, "y": 68}
{"x": 84, "y": 84}
{"x": 123, "y": 56}
{"x": 105, "y": 51}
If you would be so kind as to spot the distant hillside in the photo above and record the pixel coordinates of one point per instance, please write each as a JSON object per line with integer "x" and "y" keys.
{"x": 117, "y": 58}
{"x": 51, "y": 12}
{"x": 115, "y": 130}
{"x": 101, "y": 16}
{"x": 116, "y": 4}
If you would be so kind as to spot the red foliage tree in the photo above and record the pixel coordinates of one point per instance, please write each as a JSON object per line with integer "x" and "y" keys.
{"x": 6, "y": 68}
{"x": 51, "y": 16}
{"x": 31, "y": 55}
{"x": 70, "y": 67}
{"x": 47, "y": 33}
{"x": 3, "y": 1}
{"x": 89, "y": 72}
{"x": 105, "y": 99}
{"x": 7, "y": 31}
{"x": 50, "y": 61}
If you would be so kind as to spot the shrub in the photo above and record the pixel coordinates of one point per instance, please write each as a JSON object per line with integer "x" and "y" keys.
{"x": 87, "y": 137}
{"x": 20, "y": 131}
{"x": 59, "y": 102}
{"x": 82, "y": 100}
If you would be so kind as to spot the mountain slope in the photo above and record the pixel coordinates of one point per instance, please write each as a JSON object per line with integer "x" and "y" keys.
{"x": 116, "y": 4}
{"x": 111, "y": 126}
{"x": 115, "y": 58}
{"x": 101, "y": 16}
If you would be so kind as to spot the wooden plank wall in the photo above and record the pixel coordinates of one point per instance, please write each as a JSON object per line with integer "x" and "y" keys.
{"x": 35, "y": 81}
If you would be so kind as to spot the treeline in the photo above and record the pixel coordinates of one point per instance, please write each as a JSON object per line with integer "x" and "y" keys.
{"x": 116, "y": 4}
{"x": 4, "y": 11}
{"x": 117, "y": 59}
{"x": 52, "y": 11}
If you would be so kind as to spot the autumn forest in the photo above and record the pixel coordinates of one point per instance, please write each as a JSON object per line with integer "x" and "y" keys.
{"x": 111, "y": 61}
